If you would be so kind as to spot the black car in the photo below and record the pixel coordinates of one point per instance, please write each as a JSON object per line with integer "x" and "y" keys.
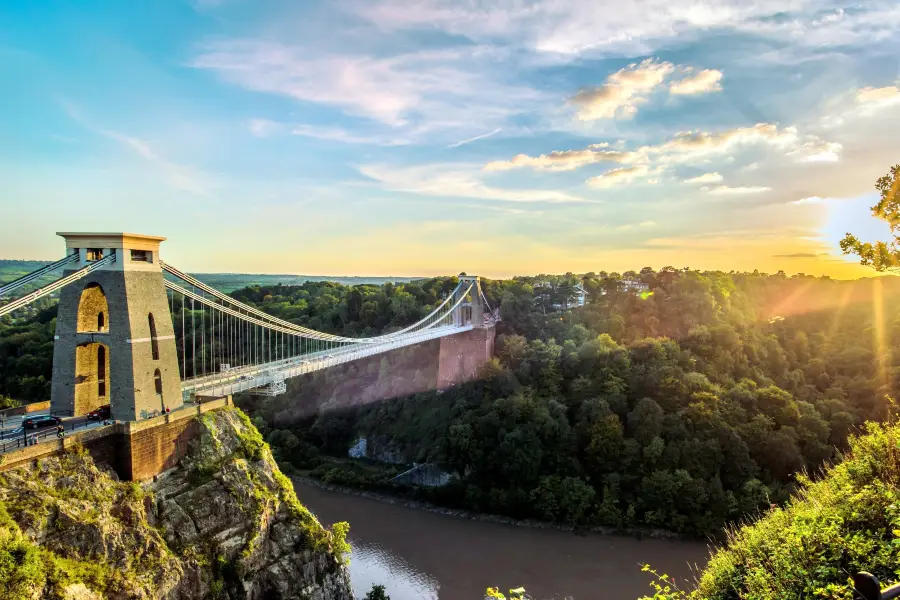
{"x": 41, "y": 421}
{"x": 100, "y": 413}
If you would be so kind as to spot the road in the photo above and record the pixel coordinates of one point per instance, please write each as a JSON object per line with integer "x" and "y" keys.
{"x": 12, "y": 427}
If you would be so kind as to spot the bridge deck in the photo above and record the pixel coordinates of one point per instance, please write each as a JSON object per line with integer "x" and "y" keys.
{"x": 241, "y": 379}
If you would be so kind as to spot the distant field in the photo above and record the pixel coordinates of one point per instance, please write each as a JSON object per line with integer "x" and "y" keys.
{"x": 226, "y": 282}
{"x": 11, "y": 269}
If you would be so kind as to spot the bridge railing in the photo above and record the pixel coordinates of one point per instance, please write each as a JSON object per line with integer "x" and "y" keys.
{"x": 867, "y": 587}
{"x": 15, "y": 440}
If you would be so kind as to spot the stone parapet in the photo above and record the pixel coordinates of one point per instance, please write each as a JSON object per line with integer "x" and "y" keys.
{"x": 136, "y": 450}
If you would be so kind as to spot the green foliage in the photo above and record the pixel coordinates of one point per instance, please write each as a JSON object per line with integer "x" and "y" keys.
{"x": 664, "y": 587}
{"x": 684, "y": 409}
{"x": 26, "y": 567}
{"x": 339, "y": 544}
{"x": 252, "y": 444}
{"x": 7, "y": 402}
{"x": 377, "y": 593}
{"x": 847, "y": 522}
{"x": 882, "y": 256}
{"x": 514, "y": 594}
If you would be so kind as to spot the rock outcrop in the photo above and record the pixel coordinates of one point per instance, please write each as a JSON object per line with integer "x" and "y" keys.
{"x": 225, "y": 523}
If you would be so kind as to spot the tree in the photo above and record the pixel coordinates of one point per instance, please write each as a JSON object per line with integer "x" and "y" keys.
{"x": 7, "y": 402}
{"x": 377, "y": 593}
{"x": 882, "y": 256}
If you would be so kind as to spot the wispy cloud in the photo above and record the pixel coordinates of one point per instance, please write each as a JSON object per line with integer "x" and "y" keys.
{"x": 688, "y": 147}
{"x": 682, "y": 148}
{"x": 705, "y": 178}
{"x": 579, "y": 27}
{"x": 640, "y": 225}
{"x": 818, "y": 151}
{"x": 337, "y": 134}
{"x": 417, "y": 92}
{"x": 475, "y": 139}
{"x": 727, "y": 190}
{"x": 459, "y": 181}
{"x": 562, "y": 160}
{"x": 263, "y": 127}
{"x": 623, "y": 91}
{"x": 801, "y": 255}
{"x": 619, "y": 176}
{"x": 871, "y": 100}
{"x": 182, "y": 177}
{"x": 703, "y": 82}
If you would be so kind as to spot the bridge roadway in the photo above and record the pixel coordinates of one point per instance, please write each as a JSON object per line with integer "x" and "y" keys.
{"x": 11, "y": 428}
{"x": 240, "y": 379}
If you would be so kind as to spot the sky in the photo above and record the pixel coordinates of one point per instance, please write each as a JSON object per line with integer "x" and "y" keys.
{"x": 428, "y": 137}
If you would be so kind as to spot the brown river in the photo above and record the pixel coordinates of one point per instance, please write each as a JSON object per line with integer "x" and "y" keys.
{"x": 421, "y": 555}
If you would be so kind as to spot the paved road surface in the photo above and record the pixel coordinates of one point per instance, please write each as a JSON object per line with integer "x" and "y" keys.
{"x": 12, "y": 427}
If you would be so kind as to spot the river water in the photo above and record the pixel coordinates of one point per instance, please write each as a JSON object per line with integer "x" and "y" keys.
{"x": 420, "y": 555}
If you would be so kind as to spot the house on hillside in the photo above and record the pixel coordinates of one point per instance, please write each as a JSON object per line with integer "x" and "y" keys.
{"x": 631, "y": 285}
{"x": 561, "y": 296}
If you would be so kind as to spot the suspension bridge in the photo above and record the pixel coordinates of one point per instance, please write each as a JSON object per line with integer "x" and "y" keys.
{"x": 142, "y": 336}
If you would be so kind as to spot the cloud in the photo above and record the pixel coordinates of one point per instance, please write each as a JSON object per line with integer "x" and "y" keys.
{"x": 623, "y": 91}
{"x": 182, "y": 177}
{"x": 703, "y": 82}
{"x": 475, "y": 139}
{"x": 801, "y": 255}
{"x": 641, "y": 225}
{"x": 457, "y": 181}
{"x": 263, "y": 127}
{"x": 809, "y": 200}
{"x": 575, "y": 27}
{"x": 562, "y": 160}
{"x": 683, "y": 148}
{"x": 726, "y": 190}
{"x": 818, "y": 151}
{"x": 705, "y": 178}
{"x": 619, "y": 176}
{"x": 689, "y": 145}
{"x": 337, "y": 134}
{"x": 875, "y": 98}
{"x": 418, "y": 92}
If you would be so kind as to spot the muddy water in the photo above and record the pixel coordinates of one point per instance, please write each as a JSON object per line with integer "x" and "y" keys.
{"x": 419, "y": 555}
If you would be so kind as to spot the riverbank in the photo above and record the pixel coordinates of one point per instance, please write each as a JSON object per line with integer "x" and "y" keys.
{"x": 638, "y": 533}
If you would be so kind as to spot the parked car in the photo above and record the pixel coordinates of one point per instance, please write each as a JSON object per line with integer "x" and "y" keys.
{"x": 41, "y": 421}
{"x": 98, "y": 414}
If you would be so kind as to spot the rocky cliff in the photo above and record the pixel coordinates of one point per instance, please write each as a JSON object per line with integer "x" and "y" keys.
{"x": 224, "y": 523}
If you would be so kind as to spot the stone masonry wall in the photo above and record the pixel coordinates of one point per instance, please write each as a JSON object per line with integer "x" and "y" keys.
{"x": 136, "y": 451}
{"x": 463, "y": 354}
{"x": 156, "y": 449}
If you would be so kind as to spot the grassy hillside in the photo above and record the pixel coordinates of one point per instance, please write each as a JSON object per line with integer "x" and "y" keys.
{"x": 847, "y": 521}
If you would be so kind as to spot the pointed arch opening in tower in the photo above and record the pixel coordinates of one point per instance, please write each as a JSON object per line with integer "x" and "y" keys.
{"x": 91, "y": 377}
{"x": 93, "y": 310}
{"x": 154, "y": 342}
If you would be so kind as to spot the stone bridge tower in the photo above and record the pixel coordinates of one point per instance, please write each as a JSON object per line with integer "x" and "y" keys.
{"x": 463, "y": 354}
{"x": 114, "y": 341}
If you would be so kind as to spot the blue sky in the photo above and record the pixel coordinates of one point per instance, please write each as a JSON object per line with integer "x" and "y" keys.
{"x": 425, "y": 137}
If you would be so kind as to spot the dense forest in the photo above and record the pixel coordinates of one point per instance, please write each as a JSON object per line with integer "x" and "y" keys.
{"x": 674, "y": 399}
{"x": 683, "y": 404}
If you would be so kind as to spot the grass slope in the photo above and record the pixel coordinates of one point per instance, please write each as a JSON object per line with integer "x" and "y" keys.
{"x": 846, "y": 522}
